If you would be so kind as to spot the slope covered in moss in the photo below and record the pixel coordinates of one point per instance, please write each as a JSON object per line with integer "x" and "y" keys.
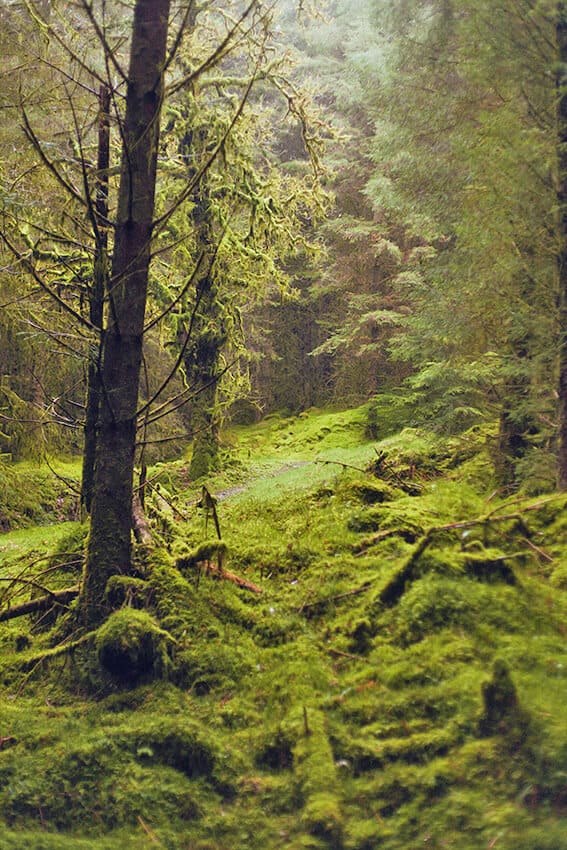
{"x": 399, "y": 682}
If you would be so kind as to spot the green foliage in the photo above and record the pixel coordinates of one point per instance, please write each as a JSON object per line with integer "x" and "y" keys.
{"x": 33, "y": 494}
{"x": 320, "y": 712}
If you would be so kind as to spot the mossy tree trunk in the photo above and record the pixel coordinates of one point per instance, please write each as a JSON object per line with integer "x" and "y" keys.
{"x": 203, "y": 368}
{"x": 96, "y": 298}
{"x": 109, "y": 546}
{"x": 207, "y": 331}
{"x": 561, "y": 30}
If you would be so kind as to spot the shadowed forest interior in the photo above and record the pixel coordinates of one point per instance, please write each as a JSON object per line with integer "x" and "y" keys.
{"x": 283, "y": 424}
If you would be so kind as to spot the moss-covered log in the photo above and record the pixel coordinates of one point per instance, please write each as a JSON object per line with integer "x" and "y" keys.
{"x": 131, "y": 645}
{"x": 41, "y": 603}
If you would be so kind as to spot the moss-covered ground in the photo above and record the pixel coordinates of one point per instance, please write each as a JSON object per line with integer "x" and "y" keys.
{"x": 399, "y": 682}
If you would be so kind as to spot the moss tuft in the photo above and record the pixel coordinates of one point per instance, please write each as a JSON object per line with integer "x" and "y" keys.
{"x": 126, "y": 590}
{"x": 130, "y": 645}
{"x": 502, "y": 713}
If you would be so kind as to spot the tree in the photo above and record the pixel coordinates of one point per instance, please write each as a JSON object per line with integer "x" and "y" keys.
{"x": 561, "y": 35}
{"x": 246, "y": 215}
{"x": 109, "y": 546}
{"x": 70, "y": 266}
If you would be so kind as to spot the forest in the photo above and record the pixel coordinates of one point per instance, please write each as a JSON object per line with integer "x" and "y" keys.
{"x": 283, "y": 424}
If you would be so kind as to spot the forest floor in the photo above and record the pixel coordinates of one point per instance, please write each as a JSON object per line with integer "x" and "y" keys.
{"x": 393, "y": 673}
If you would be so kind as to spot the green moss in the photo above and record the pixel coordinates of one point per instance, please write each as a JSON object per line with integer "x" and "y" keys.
{"x": 314, "y": 768}
{"x": 321, "y": 713}
{"x": 502, "y": 713}
{"x": 126, "y": 590}
{"x": 370, "y": 492}
{"x": 130, "y": 645}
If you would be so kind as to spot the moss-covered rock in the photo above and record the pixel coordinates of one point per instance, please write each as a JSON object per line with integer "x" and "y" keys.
{"x": 372, "y": 492}
{"x": 131, "y": 645}
{"x": 502, "y": 713}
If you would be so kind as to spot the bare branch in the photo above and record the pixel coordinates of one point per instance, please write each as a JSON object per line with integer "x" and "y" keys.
{"x": 49, "y": 164}
{"x": 223, "y": 48}
{"x": 109, "y": 52}
{"x": 29, "y": 267}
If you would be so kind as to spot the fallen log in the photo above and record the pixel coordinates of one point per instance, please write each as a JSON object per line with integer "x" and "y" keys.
{"x": 41, "y": 603}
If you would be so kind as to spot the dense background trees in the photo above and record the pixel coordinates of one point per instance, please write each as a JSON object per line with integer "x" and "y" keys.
{"x": 440, "y": 292}
{"x": 430, "y": 286}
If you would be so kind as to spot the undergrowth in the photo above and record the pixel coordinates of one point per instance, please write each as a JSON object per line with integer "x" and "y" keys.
{"x": 399, "y": 681}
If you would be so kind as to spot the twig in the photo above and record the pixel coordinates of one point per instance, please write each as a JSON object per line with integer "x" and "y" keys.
{"x": 354, "y": 592}
{"x": 149, "y": 831}
{"x": 343, "y": 465}
{"x": 541, "y": 552}
{"x": 228, "y": 576}
{"x": 341, "y": 654}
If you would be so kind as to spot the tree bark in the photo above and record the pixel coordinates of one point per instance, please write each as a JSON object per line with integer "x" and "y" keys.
{"x": 110, "y": 543}
{"x": 96, "y": 298}
{"x": 208, "y": 335}
{"x": 561, "y": 31}
{"x": 41, "y": 603}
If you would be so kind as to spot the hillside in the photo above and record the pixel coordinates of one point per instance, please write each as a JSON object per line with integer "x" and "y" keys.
{"x": 399, "y": 681}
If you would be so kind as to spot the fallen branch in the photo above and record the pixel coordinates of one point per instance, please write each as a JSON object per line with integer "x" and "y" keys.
{"x": 382, "y": 464}
{"x": 343, "y": 465}
{"x": 149, "y": 831}
{"x": 394, "y": 589}
{"x": 213, "y": 569}
{"x": 42, "y": 603}
{"x": 340, "y": 654}
{"x": 406, "y": 533}
{"x": 541, "y": 553}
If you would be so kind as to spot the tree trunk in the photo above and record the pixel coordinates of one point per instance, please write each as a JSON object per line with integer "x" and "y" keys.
{"x": 109, "y": 546}
{"x": 96, "y": 298}
{"x": 208, "y": 337}
{"x": 561, "y": 29}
